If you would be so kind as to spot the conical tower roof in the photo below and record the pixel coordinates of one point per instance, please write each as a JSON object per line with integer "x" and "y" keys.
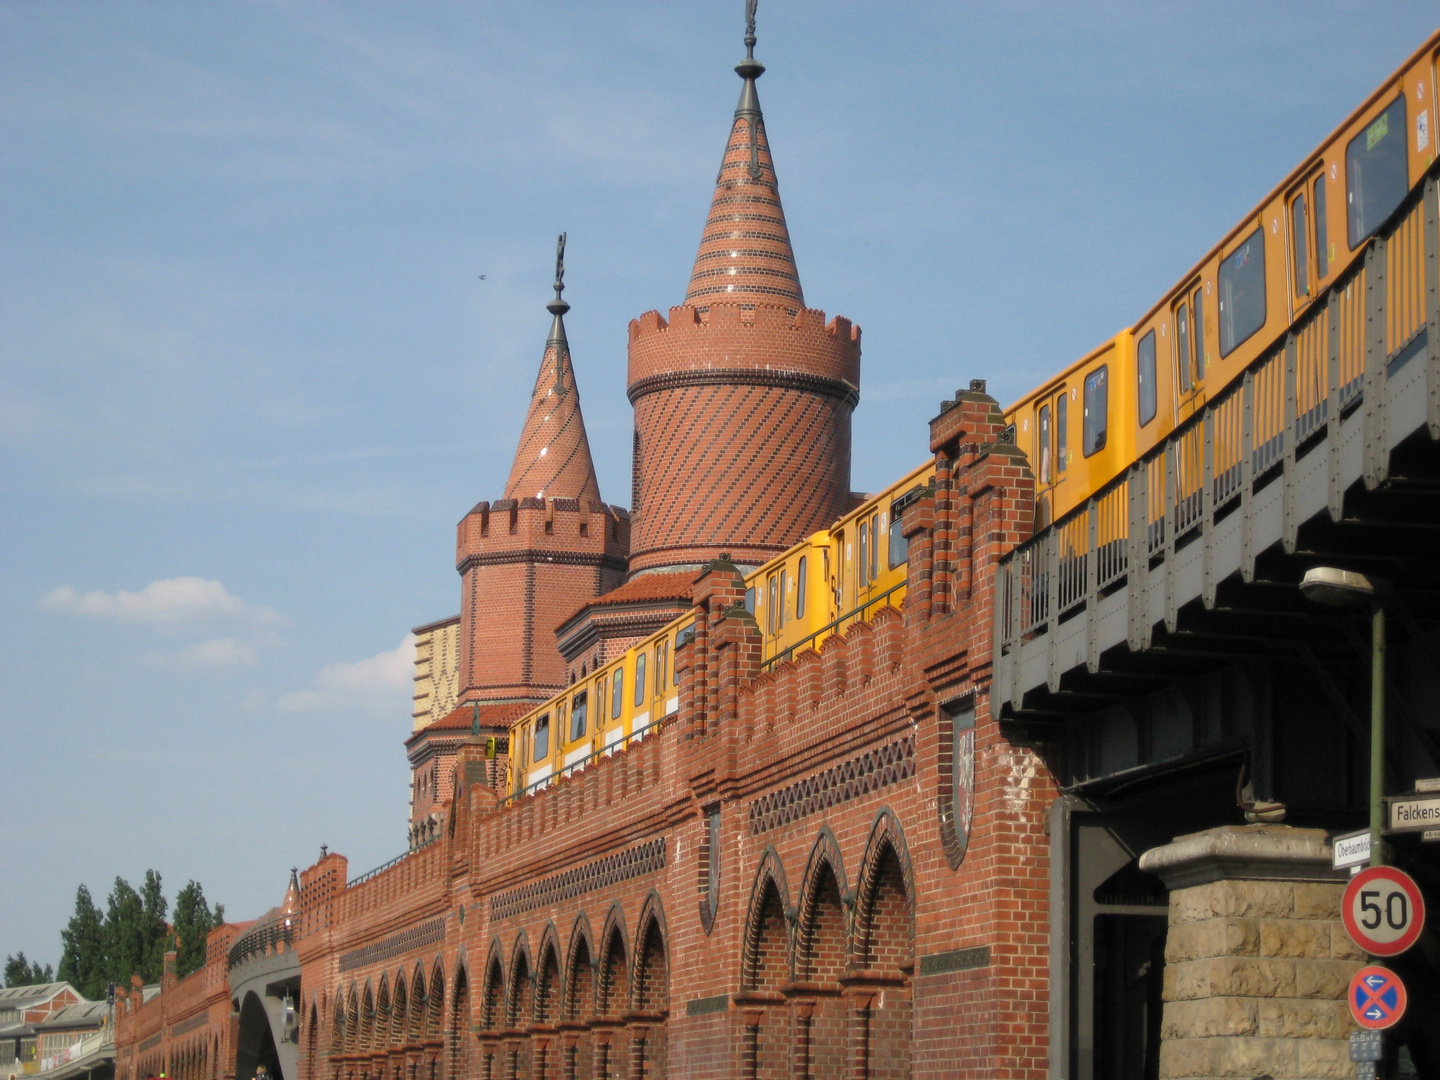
{"x": 745, "y": 255}
{"x": 553, "y": 458}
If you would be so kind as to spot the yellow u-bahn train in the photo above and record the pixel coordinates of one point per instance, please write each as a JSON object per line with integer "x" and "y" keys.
{"x": 1093, "y": 420}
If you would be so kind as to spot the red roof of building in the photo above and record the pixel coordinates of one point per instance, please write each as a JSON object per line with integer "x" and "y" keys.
{"x": 462, "y": 717}
{"x": 645, "y": 589}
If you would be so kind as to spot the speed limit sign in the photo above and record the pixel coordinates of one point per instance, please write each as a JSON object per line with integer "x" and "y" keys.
{"x": 1383, "y": 910}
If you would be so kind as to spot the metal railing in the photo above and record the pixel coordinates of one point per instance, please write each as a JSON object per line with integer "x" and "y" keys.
{"x": 396, "y": 861}
{"x": 574, "y": 767}
{"x": 1369, "y": 321}
{"x": 260, "y": 941}
{"x": 853, "y": 615}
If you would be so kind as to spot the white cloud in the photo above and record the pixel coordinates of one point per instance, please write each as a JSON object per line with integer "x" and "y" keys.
{"x": 171, "y": 600}
{"x": 380, "y": 683}
{"x": 219, "y": 652}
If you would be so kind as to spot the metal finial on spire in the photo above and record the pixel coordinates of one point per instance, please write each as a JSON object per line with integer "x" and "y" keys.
{"x": 558, "y": 307}
{"x": 750, "y": 69}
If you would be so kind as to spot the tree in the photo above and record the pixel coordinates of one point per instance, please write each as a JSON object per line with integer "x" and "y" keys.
{"x": 22, "y": 972}
{"x": 193, "y": 921}
{"x": 83, "y": 958}
{"x": 154, "y": 930}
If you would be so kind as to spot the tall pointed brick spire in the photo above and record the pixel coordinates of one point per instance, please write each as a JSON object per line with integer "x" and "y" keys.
{"x": 745, "y": 256}
{"x": 553, "y": 458}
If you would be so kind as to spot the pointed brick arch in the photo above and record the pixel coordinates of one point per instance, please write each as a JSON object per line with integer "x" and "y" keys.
{"x": 435, "y": 1002}
{"x": 383, "y": 1016}
{"x": 492, "y": 988}
{"x": 650, "y": 982}
{"x": 580, "y": 971}
{"x": 613, "y": 977}
{"x": 821, "y": 951}
{"x": 415, "y": 1023}
{"x": 765, "y": 956}
{"x": 399, "y": 1009}
{"x": 518, "y": 1007}
{"x": 352, "y": 1020}
{"x": 367, "y": 1018}
{"x": 457, "y": 1031}
{"x": 884, "y": 951}
{"x": 548, "y": 980}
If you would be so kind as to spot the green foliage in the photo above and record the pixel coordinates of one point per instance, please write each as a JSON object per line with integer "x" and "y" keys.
{"x": 131, "y": 936}
{"x": 83, "y": 959}
{"x": 22, "y": 972}
{"x": 193, "y": 921}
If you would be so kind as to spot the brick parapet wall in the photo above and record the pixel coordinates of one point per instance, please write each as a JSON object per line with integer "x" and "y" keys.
{"x": 818, "y": 767}
{"x": 764, "y": 338}
{"x": 186, "y": 1030}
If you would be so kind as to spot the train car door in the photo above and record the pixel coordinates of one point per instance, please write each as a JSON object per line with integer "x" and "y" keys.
{"x": 1052, "y": 436}
{"x": 1310, "y": 250}
{"x": 1189, "y": 345}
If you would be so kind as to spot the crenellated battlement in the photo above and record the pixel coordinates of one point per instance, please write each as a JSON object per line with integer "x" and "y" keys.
{"x": 560, "y": 528}
{"x": 728, "y": 339}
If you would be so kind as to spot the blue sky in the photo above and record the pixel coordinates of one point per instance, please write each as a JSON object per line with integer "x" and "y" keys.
{"x": 250, "y": 377}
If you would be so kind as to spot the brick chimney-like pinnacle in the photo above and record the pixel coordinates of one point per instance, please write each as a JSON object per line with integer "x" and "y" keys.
{"x": 553, "y": 458}
{"x": 745, "y": 256}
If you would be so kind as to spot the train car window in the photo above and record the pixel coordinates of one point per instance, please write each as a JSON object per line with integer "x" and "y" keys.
{"x": 617, "y": 693}
{"x": 661, "y": 652}
{"x": 1322, "y": 247}
{"x": 1197, "y": 314}
{"x": 750, "y": 599}
{"x": 1242, "y": 292}
{"x": 800, "y": 576}
{"x": 542, "y": 738}
{"x": 1044, "y": 428}
{"x": 784, "y": 590}
{"x": 771, "y": 622}
{"x": 1376, "y": 173}
{"x": 875, "y": 546}
{"x": 1097, "y": 402}
{"x": 1062, "y": 432}
{"x": 899, "y": 546}
{"x": 1299, "y": 234}
{"x": 864, "y": 556}
{"x": 1182, "y": 346}
{"x": 1145, "y": 369}
{"x": 579, "y": 715}
{"x": 640, "y": 678}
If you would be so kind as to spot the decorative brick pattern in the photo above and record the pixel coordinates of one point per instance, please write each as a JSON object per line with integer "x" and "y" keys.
{"x": 622, "y": 866}
{"x": 190, "y": 1025}
{"x": 416, "y": 937}
{"x": 838, "y": 784}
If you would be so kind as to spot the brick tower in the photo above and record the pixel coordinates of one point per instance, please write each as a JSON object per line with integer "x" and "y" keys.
{"x": 743, "y": 396}
{"x": 529, "y": 560}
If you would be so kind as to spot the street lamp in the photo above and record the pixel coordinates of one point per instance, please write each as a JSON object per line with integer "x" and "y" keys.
{"x": 1334, "y": 587}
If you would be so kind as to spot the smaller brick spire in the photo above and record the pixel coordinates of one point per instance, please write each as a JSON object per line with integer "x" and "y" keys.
{"x": 553, "y": 458}
{"x": 745, "y": 255}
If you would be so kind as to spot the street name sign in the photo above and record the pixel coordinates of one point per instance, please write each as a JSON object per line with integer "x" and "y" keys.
{"x": 1414, "y": 813}
{"x": 1383, "y": 911}
{"x": 1352, "y": 849}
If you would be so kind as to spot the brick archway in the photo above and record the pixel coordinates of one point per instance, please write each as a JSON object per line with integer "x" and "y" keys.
{"x": 765, "y": 968}
{"x": 818, "y": 1013}
{"x": 883, "y": 954}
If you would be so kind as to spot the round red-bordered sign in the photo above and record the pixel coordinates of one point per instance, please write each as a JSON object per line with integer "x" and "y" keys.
{"x": 1377, "y": 998}
{"x": 1383, "y": 910}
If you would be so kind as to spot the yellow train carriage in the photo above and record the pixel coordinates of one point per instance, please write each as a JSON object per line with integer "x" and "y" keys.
{"x": 604, "y": 711}
{"x": 1235, "y": 306}
{"x": 830, "y": 580}
{"x": 1076, "y": 428}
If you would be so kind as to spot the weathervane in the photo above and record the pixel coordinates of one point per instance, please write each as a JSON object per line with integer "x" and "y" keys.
{"x": 560, "y": 260}
{"x": 750, "y": 28}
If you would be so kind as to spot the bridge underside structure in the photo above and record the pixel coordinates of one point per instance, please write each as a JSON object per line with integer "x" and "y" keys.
{"x": 1156, "y": 645}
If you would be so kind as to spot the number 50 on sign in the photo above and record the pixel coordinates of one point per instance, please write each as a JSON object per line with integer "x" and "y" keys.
{"x": 1383, "y": 911}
